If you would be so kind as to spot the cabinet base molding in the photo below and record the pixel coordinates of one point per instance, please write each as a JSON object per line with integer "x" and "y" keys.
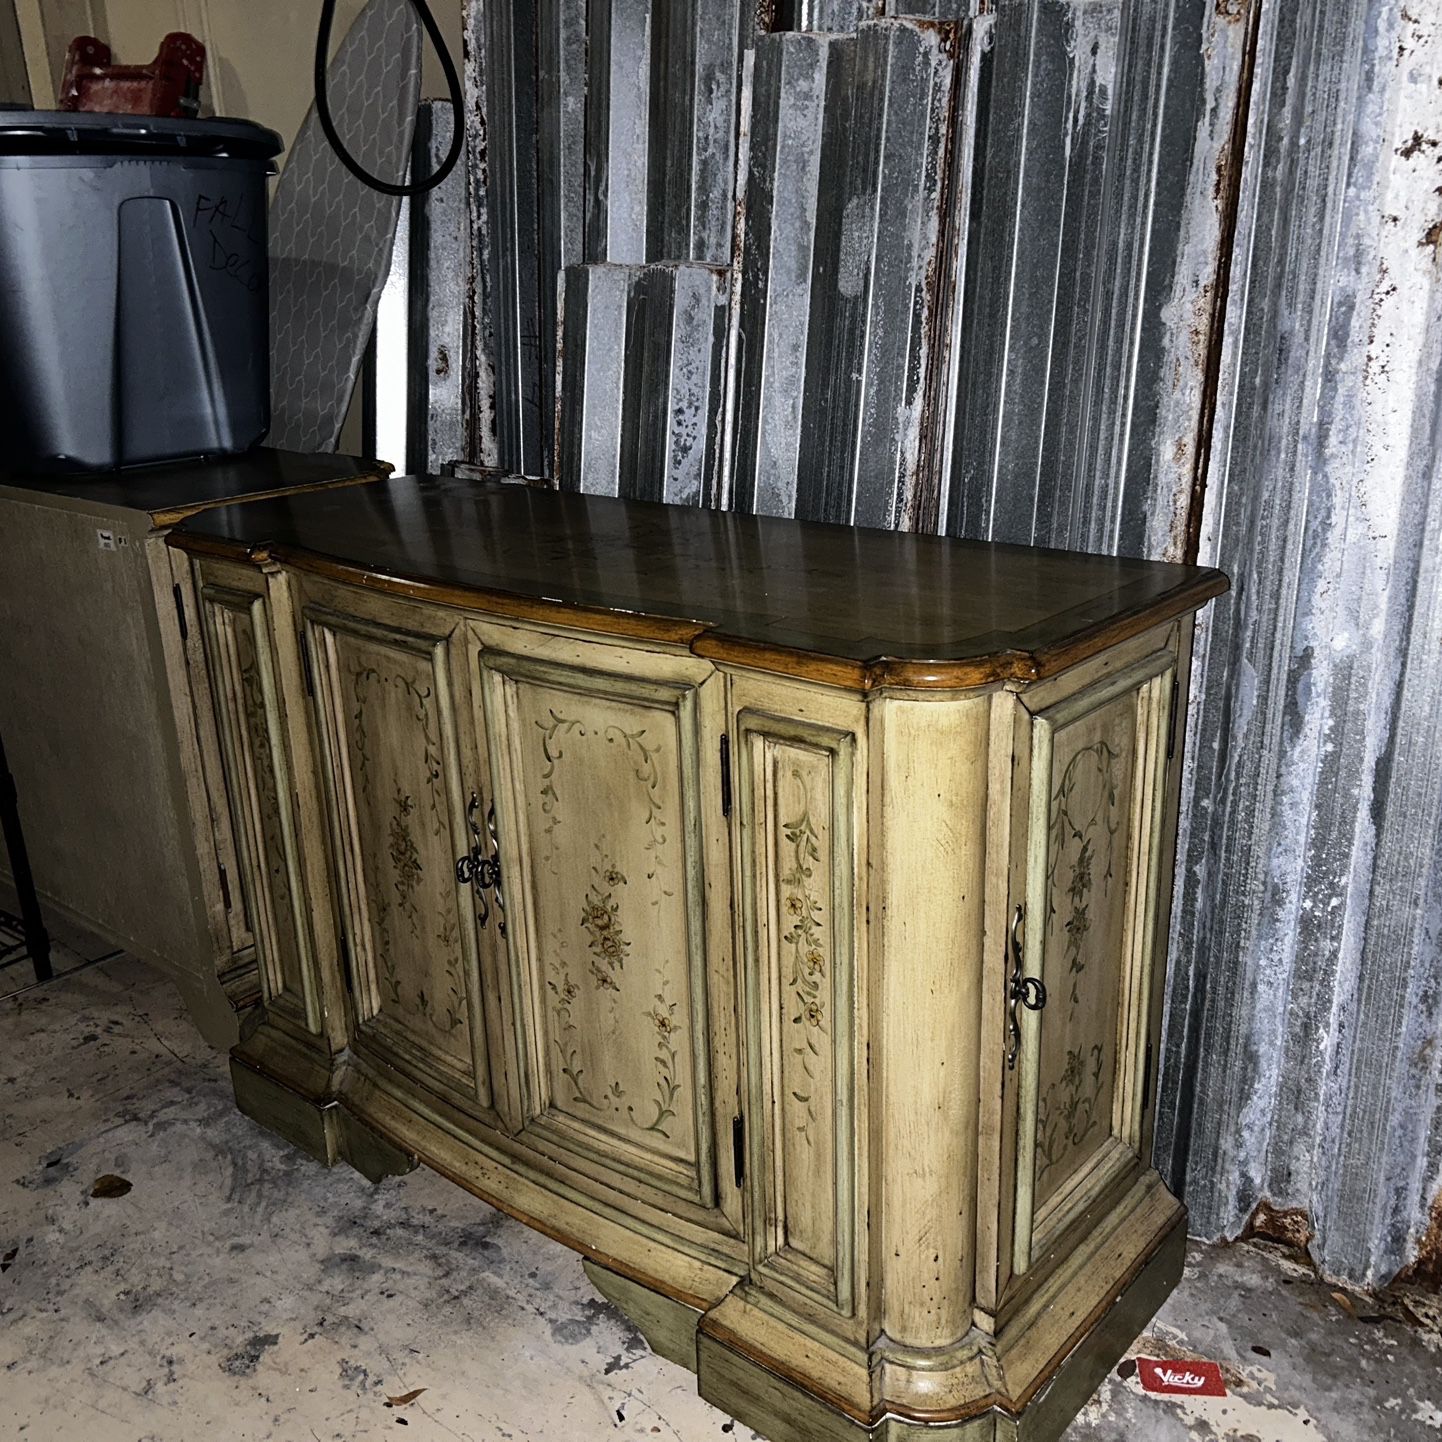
{"x": 310, "y": 1123}
{"x": 668, "y": 1326}
{"x": 317, "y": 1124}
{"x": 785, "y": 1411}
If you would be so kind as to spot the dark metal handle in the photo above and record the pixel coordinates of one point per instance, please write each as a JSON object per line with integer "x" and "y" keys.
{"x": 1023, "y": 991}
{"x": 482, "y": 871}
{"x": 495, "y": 881}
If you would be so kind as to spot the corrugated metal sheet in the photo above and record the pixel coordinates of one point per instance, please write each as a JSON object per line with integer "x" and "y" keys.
{"x": 661, "y": 113}
{"x": 519, "y": 312}
{"x": 1307, "y": 998}
{"x": 834, "y": 16}
{"x": 439, "y": 262}
{"x": 641, "y": 381}
{"x": 841, "y": 238}
{"x": 1086, "y": 152}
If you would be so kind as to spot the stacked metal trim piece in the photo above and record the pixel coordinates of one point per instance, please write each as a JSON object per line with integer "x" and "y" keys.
{"x": 842, "y": 231}
{"x": 642, "y": 381}
{"x": 834, "y": 314}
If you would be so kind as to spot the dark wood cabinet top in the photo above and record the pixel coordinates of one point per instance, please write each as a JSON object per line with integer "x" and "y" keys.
{"x": 852, "y": 606}
{"x": 169, "y": 493}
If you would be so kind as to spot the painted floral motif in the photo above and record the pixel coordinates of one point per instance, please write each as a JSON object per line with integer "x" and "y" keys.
{"x": 608, "y": 946}
{"x": 1079, "y": 823}
{"x": 405, "y": 858}
{"x": 802, "y": 908}
{"x": 663, "y": 1017}
{"x": 601, "y": 920}
{"x": 1066, "y": 1114}
{"x": 564, "y": 992}
{"x": 448, "y": 1012}
{"x": 398, "y": 899}
{"x": 552, "y": 733}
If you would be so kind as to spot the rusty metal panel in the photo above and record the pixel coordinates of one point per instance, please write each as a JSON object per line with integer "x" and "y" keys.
{"x": 521, "y": 324}
{"x": 697, "y": 48}
{"x": 478, "y": 398}
{"x": 439, "y": 265}
{"x": 1085, "y": 156}
{"x": 1301, "y": 1066}
{"x": 641, "y": 388}
{"x": 826, "y": 16}
{"x": 617, "y": 112}
{"x": 561, "y": 139}
{"x": 661, "y": 111}
{"x": 837, "y": 313}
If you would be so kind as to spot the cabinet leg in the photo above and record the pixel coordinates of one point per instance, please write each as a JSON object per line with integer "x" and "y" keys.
{"x": 306, "y": 1122}
{"x": 319, "y": 1126}
{"x": 371, "y": 1154}
{"x": 668, "y": 1326}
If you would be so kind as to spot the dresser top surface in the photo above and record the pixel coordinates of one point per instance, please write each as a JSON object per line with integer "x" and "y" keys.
{"x": 169, "y": 493}
{"x": 744, "y": 587}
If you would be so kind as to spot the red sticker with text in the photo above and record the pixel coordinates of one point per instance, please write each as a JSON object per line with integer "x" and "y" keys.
{"x": 1181, "y": 1379}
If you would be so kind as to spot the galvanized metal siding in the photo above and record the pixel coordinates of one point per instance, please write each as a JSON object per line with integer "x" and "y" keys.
{"x": 842, "y": 208}
{"x": 641, "y": 383}
{"x": 1302, "y": 1064}
{"x": 1086, "y": 152}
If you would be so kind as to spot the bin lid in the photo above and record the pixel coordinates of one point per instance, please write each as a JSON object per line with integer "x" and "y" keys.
{"x": 82, "y": 132}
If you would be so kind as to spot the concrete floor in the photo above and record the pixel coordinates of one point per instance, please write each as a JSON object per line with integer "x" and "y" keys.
{"x": 239, "y": 1291}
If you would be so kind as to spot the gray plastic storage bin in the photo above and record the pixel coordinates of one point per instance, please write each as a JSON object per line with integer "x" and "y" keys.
{"x": 133, "y": 281}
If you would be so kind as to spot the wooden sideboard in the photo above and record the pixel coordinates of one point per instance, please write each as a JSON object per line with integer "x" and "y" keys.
{"x": 774, "y": 913}
{"x": 108, "y": 753}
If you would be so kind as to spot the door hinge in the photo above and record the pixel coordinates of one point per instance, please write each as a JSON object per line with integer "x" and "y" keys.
{"x": 305, "y": 664}
{"x": 224, "y": 885}
{"x": 725, "y": 774}
{"x": 1172, "y": 727}
{"x": 180, "y": 611}
{"x": 1147, "y": 1081}
{"x": 738, "y": 1148}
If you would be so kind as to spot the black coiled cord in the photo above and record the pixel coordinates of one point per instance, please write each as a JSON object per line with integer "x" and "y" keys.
{"x": 453, "y": 86}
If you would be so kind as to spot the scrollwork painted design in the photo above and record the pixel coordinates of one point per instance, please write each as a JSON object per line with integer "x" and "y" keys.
{"x": 1066, "y": 1113}
{"x": 805, "y": 938}
{"x": 445, "y": 1013}
{"x": 1076, "y": 825}
{"x": 608, "y": 944}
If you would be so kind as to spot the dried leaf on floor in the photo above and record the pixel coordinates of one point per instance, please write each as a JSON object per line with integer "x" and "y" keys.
{"x": 110, "y": 1186}
{"x": 1346, "y": 1304}
{"x": 405, "y": 1398}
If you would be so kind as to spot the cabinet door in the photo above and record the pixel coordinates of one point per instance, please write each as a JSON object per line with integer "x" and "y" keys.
{"x": 800, "y": 759}
{"x": 1086, "y": 931}
{"x": 383, "y": 681}
{"x": 258, "y": 785}
{"x": 613, "y": 857}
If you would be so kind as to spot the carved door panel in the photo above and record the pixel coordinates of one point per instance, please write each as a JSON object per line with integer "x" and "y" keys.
{"x": 384, "y": 677}
{"x": 613, "y": 865}
{"x": 1084, "y": 943}
{"x": 184, "y": 578}
{"x": 800, "y": 769}
{"x": 256, "y": 767}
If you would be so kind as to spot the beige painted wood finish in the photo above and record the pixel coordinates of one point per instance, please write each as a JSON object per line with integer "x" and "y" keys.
{"x": 722, "y": 990}
{"x": 134, "y": 802}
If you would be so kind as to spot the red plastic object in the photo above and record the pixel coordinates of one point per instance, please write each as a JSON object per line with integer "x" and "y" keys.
{"x": 1181, "y": 1379}
{"x": 169, "y": 85}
